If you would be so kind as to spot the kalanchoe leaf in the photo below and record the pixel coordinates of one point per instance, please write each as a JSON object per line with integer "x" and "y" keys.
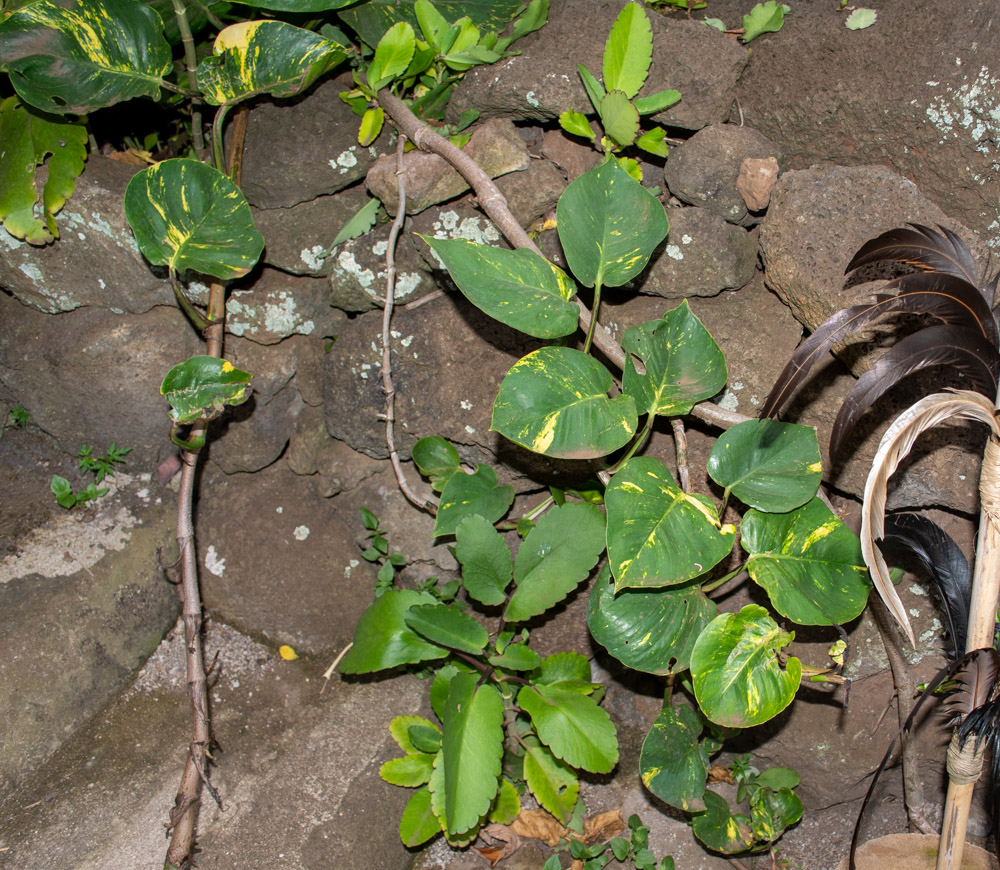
{"x": 953, "y": 346}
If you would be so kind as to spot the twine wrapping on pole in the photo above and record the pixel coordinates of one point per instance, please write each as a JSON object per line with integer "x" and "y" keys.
{"x": 965, "y": 761}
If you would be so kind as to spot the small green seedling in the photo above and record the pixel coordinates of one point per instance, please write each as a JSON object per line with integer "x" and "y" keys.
{"x": 99, "y": 466}
{"x": 102, "y": 465}
{"x": 18, "y": 418}
{"x": 628, "y": 851}
{"x": 628, "y": 55}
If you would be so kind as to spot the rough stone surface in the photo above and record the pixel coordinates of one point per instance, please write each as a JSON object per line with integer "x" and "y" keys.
{"x": 95, "y": 260}
{"x": 494, "y": 145}
{"x": 357, "y": 270}
{"x": 297, "y": 150}
{"x": 296, "y": 237}
{"x": 569, "y": 153}
{"x": 261, "y": 537}
{"x": 703, "y": 255}
{"x": 93, "y": 376}
{"x": 533, "y": 193}
{"x": 278, "y": 305}
{"x": 704, "y": 170}
{"x": 84, "y": 604}
{"x": 543, "y": 80}
{"x": 756, "y": 181}
{"x": 917, "y": 93}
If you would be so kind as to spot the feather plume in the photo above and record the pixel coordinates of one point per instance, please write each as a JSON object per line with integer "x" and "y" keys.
{"x": 976, "y": 682}
{"x": 896, "y": 443}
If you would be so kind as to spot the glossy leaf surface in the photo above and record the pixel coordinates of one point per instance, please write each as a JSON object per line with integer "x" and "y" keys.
{"x": 555, "y": 401}
{"x": 447, "y": 626}
{"x": 768, "y": 465}
{"x": 658, "y": 535}
{"x": 609, "y": 226}
{"x": 719, "y": 829}
{"x": 200, "y": 388}
{"x": 650, "y": 631}
{"x": 673, "y": 764}
{"x": 437, "y": 459}
{"x": 382, "y": 638}
{"x": 738, "y": 679}
{"x": 809, "y": 563}
{"x": 516, "y": 287}
{"x": 265, "y": 57}
{"x": 682, "y": 363}
{"x": 189, "y": 216}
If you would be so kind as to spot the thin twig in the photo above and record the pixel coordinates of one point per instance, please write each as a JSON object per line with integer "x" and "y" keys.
{"x": 191, "y": 66}
{"x": 390, "y": 295}
{"x": 681, "y": 449}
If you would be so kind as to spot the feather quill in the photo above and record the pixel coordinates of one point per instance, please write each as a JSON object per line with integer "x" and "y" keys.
{"x": 896, "y": 443}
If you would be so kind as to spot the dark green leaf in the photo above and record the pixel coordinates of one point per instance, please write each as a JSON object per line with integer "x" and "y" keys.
{"x": 557, "y": 555}
{"x": 516, "y": 657}
{"x": 657, "y": 102}
{"x": 448, "y": 627}
{"x": 370, "y": 20}
{"x": 265, "y": 57}
{"x": 620, "y": 847}
{"x": 436, "y": 459}
{"x": 564, "y": 667}
{"x": 383, "y": 640}
{"x": 555, "y": 401}
{"x": 425, "y": 738}
{"x": 298, "y": 5}
{"x": 768, "y": 465}
{"x": 363, "y": 220}
{"x": 738, "y": 679}
{"x": 471, "y": 751}
{"x": 30, "y": 139}
{"x": 628, "y": 51}
{"x": 74, "y": 56}
{"x": 487, "y": 566}
{"x": 609, "y": 226}
{"x": 682, "y": 363}
{"x": 777, "y": 778}
{"x": 201, "y": 388}
{"x": 187, "y": 215}
{"x": 572, "y": 726}
{"x": 651, "y": 631}
{"x": 553, "y": 782}
{"x": 400, "y": 727}
{"x": 517, "y": 287}
{"x": 658, "y": 535}
{"x": 418, "y": 822}
{"x": 673, "y": 764}
{"x": 439, "y": 686}
{"x": 466, "y": 494}
{"x": 719, "y": 829}
{"x": 809, "y": 563}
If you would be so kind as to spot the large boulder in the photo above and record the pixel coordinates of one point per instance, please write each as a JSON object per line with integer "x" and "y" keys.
{"x": 916, "y": 92}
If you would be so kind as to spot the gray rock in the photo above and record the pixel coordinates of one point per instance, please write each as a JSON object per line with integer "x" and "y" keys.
{"x": 703, "y": 256}
{"x": 447, "y": 363}
{"x": 819, "y": 218}
{"x": 341, "y": 468}
{"x": 495, "y": 146}
{"x": 533, "y": 193}
{"x": 296, "y": 237}
{"x": 569, "y": 153}
{"x": 828, "y": 93}
{"x": 457, "y": 220}
{"x": 704, "y": 170}
{"x": 84, "y": 604}
{"x": 358, "y": 271}
{"x": 278, "y": 305}
{"x": 543, "y": 81}
{"x": 297, "y": 150}
{"x": 95, "y": 261}
{"x": 93, "y": 376}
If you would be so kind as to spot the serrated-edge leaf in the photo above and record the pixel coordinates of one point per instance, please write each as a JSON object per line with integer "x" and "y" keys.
{"x": 408, "y": 771}
{"x": 466, "y": 494}
{"x": 554, "y": 783}
{"x": 471, "y": 751}
{"x": 446, "y": 626}
{"x": 561, "y": 667}
{"x": 507, "y": 804}
{"x": 619, "y": 117}
{"x": 392, "y": 55}
{"x": 487, "y": 565}
{"x": 418, "y": 822}
{"x": 400, "y": 726}
{"x": 572, "y": 725}
{"x": 628, "y": 51}
{"x": 363, "y": 220}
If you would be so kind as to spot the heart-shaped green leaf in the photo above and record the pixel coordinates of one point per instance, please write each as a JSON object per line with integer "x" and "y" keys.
{"x": 487, "y": 566}
{"x": 682, "y": 363}
{"x": 673, "y": 763}
{"x": 200, "y": 388}
{"x": 265, "y": 57}
{"x": 382, "y": 638}
{"x": 466, "y": 494}
{"x": 769, "y": 465}
{"x": 517, "y": 287}
{"x": 555, "y": 401}
{"x": 808, "y": 562}
{"x": 30, "y": 139}
{"x": 187, "y": 215}
{"x": 446, "y": 626}
{"x": 437, "y": 459}
{"x": 471, "y": 751}
{"x": 572, "y": 726}
{"x": 719, "y": 829}
{"x": 651, "y": 631}
{"x": 609, "y": 226}
{"x": 738, "y": 679}
{"x": 555, "y": 558}
{"x": 659, "y": 535}
{"x": 553, "y": 782}
{"x": 77, "y": 55}
{"x": 628, "y": 51}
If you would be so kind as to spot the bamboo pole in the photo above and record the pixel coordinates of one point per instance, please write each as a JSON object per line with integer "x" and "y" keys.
{"x": 982, "y": 618}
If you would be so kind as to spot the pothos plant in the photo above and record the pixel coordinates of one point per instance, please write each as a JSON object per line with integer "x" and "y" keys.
{"x": 649, "y": 604}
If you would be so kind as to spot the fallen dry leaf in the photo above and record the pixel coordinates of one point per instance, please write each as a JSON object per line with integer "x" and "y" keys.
{"x": 717, "y": 773}
{"x": 603, "y": 827}
{"x": 539, "y": 825}
{"x": 502, "y": 842}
